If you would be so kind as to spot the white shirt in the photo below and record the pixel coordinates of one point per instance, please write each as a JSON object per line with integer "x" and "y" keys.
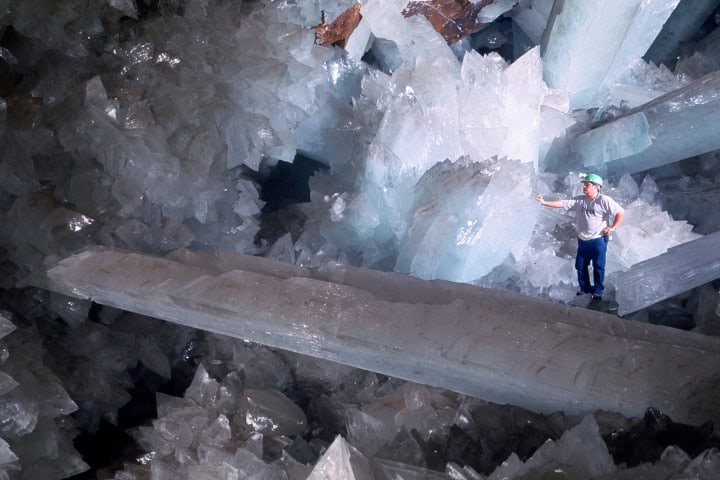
{"x": 591, "y": 216}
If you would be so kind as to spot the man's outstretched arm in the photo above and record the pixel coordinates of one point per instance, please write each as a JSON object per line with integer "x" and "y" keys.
{"x": 548, "y": 203}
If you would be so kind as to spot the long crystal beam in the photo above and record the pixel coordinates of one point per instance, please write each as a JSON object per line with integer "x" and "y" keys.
{"x": 683, "y": 23}
{"x": 495, "y": 345}
{"x": 587, "y": 44}
{"x": 675, "y": 126}
{"x": 678, "y": 270}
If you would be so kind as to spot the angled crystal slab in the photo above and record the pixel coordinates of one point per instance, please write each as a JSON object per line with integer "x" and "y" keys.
{"x": 675, "y": 126}
{"x": 678, "y": 270}
{"x": 587, "y": 44}
{"x": 647, "y": 23}
{"x": 495, "y": 345}
{"x": 683, "y": 23}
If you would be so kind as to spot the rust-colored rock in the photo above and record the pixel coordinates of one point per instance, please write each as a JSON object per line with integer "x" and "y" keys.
{"x": 453, "y": 19}
{"x": 337, "y": 32}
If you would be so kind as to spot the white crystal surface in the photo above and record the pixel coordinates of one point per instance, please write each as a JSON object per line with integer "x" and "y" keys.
{"x": 674, "y": 126}
{"x": 679, "y": 269}
{"x": 581, "y": 53}
{"x": 6, "y": 326}
{"x": 341, "y": 460}
{"x": 579, "y": 453}
{"x": 6, "y": 455}
{"x": 490, "y": 344}
{"x": 271, "y": 413}
{"x": 474, "y": 227}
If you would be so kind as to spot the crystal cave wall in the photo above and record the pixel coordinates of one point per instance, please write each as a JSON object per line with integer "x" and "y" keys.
{"x": 177, "y": 131}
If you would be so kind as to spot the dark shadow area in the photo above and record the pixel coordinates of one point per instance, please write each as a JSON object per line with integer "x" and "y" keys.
{"x": 287, "y": 183}
{"x": 646, "y": 440}
{"x": 110, "y": 446}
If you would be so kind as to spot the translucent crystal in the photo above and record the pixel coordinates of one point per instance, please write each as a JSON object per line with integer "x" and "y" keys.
{"x": 491, "y": 339}
{"x": 689, "y": 265}
{"x": 272, "y": 413}
{"x": 672, "y": 127}
{"x": 581, "y": 54}
{"x": 341, "y": 460}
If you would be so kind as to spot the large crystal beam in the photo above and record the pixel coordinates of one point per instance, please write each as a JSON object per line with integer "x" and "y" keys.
{"x": 678, "y": 270}
{"x": 684, "y": 22}
{"x": 495, "y": 345}
{"x": 675, "y": 126}
{"x": 588, "y": 44}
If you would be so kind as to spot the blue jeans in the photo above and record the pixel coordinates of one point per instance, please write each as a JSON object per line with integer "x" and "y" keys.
{"x": 591, "y": 251}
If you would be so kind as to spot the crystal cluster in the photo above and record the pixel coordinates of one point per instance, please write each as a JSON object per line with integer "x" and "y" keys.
{"x": 153, "y": 126}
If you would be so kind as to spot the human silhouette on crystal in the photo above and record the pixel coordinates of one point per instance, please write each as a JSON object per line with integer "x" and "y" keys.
{"x": 596, "y": 217}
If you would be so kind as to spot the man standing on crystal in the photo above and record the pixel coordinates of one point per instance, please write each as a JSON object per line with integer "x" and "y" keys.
{"x": 596, "y": 216}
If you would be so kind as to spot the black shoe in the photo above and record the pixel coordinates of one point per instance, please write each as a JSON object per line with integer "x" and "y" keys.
{"x": 596, "y": 297}
{"x": 577, "y": 294}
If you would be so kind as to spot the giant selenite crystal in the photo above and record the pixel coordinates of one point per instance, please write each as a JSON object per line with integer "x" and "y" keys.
{"x": 684, "y": 22}
{"x": 442, "y": 111}
{"x": 496, "y": 345}
{"x": 677, "y": 125}
{"x": 678, "y": 270}
{"x": 463, "y": 234}
{"x": 583, "y": 54}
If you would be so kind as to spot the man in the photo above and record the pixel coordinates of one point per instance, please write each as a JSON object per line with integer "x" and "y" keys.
{"x": 596, "y": 216}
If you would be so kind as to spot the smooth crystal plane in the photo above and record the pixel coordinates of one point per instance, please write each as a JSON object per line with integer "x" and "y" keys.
{"x": 584, "y": 56}
{"x": 678, "y": 270}
{"x": 678, "y": 125}
{"x": 490, "y": 344}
